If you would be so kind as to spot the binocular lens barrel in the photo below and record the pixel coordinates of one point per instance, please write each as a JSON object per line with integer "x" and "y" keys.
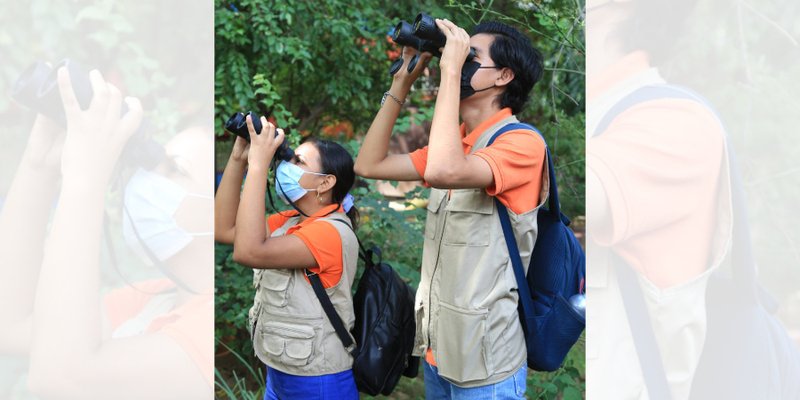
{"x": 237, "y": 125}
{"x": 425, "y": 28}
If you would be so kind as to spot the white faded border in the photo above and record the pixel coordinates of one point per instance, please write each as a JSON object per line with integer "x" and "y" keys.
{"x": 74, "y": 325}
{"x": 743, "y": 57}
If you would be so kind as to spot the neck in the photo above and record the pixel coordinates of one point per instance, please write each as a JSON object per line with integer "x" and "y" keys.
{"x": 310, "y": 205}
{"x": 473, "y": 111}
{"x": 194, "y": 267}
{"x": 603, "y": 46}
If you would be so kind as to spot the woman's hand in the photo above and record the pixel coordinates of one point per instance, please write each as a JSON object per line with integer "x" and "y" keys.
{"x": 46, "y": 141}
{"x": 456, "y": 49}
{"x": 240, "y": 149}
{"x": 263, "y": 145}
{"x": 95, "y": 136}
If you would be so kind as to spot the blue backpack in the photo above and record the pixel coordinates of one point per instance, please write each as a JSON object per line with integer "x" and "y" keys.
{"x": 555, "y": 274}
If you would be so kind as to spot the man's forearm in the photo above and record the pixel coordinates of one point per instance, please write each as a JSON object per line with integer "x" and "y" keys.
{"x": 445, "y": 153}
{"x": 226, "y": 200}
{"x": 376, "y": 143}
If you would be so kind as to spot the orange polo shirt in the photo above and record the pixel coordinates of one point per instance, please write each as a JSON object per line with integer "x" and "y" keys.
{"x": 659, "y": 163}
{"x": 321, "y": 238}
{"x": 190, "y": 324}
{"x": 517, "y": 159}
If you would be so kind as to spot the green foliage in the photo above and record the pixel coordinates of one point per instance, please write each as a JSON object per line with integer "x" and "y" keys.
{"x": 312, "y": 65}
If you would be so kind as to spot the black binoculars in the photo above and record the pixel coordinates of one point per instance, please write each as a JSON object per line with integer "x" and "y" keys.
{"x": 424, "y": 35}
{"x": 237, "y": 125}
{"x": 37, "y": 89}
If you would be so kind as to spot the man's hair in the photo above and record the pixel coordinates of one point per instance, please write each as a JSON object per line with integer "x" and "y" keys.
{"x": 512, "y": 49}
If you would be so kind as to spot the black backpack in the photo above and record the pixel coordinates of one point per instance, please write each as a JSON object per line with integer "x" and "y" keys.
{"x": 384, "y": 328}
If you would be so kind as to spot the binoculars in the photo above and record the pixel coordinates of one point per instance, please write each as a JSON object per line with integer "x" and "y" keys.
{"x": 424, "y": 35}
{"x": 37, "y": 89}
{"x": 237, "y": 125}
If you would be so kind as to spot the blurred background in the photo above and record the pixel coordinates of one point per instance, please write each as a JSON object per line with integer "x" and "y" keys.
{"x": 319, "y": 69}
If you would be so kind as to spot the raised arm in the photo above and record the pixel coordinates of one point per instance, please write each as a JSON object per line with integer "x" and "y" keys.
{"x": 252, "y": 245}
{"x": 373, "y": 160}
{"x": 226, "y": 200}
{"x": 23, "y": 224}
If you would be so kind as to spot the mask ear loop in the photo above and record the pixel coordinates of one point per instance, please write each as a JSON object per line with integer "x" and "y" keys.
{"x": 113, "y": 256}
{"x": 161, "y": 267}
{"x": 291, "y": 203}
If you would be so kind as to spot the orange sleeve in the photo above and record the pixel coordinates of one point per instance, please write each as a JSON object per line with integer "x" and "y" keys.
{"x": 126, "y": 302}
{"x": 275, "y": 221}
{"x": 419, "y": 158}
{"x": 517, "y": 160}
{"x": 323, "y": 240}
{"x": 659, "y": 155}
{"x": 194, "y": 333}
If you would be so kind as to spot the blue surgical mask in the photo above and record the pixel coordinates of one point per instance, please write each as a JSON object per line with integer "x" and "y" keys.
{"x": 287, "y": 182}
{"x": 150, "y": 202}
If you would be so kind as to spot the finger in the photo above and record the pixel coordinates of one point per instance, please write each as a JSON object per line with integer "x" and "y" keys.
{"x": 280, "y": 137}
{"x": 132, "y": 119}
{"x": 99, "y": 90}
{"x": 267, "y": 127}
{"x": 250, "y": 128}
{"x": 408, "y": 52}
{"x": 445, "y": 28}
{"x": 114, "y": 103}
{"x": 71, "y": 106}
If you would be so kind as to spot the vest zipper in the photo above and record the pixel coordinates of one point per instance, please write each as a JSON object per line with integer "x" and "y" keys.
{"x": 433, "y": 275}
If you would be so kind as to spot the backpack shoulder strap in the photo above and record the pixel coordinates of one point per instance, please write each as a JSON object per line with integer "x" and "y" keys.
{"x": 553, "y": 203}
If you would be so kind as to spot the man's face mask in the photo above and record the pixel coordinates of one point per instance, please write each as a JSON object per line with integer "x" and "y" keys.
{"x": 149, "y": 218}
{"x": 287, "y": 181}
{"x": 467, "y": 71}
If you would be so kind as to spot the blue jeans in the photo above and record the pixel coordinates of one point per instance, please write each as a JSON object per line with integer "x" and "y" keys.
{"x": 283, "y": 386}
{"x": 437, "y": 388}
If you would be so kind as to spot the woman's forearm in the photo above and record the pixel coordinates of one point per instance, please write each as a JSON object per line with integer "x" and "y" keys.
{"x": 226, "y": 200}
{"x": 69, "y": 292}
{"x": 251, "y": 229}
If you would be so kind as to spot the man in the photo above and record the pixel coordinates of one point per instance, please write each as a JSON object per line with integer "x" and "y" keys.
{"x": 467, "y": 322}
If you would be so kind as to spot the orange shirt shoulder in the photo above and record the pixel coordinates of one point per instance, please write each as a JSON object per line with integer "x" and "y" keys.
{"x": 322, "y": 240}
{"x": 516, "y": 158}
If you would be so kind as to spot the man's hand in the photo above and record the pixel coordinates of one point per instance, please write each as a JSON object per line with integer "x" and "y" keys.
{"x": 404, "y": 78}
{"x": 456, "y": 49}
{"x": 263, "y": 145}
{"x": 45, "y": 144}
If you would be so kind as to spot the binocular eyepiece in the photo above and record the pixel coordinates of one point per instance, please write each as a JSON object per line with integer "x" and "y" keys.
{"x": 424, "y": 35}
{"x": 37, "y": 89}
{"x": 237, "y": 125}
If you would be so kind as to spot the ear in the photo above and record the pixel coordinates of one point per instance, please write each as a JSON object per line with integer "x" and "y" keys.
{"x": 327, "y": 184}
{"x": 506, "y": 76}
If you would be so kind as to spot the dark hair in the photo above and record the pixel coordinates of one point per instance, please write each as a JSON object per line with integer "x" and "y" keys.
{"x": 512, "y": 49}
{"x": 338, "y": 162}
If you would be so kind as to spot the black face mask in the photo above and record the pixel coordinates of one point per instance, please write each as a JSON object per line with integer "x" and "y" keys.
{"x": 469, "y": 69}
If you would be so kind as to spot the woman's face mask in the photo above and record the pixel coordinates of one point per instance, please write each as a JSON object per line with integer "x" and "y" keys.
{"x": 150, "y": 202}
{"x": 287, "y": 181}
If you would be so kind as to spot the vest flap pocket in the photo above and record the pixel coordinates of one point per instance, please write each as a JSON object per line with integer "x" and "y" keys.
{"x": 460, "y": 344}
{"x": 275, "y": 279}
{"x": 470, "y": 200}
{"x": 290, "y": 344}
{"x": 273, "y": 287}
{"x": 435, "y": 199}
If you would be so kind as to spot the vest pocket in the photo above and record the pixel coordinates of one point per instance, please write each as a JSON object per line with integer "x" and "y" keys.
{"x": 288, "y": 344}
{"x": 434, "y": 202}
{"x": 273, "y": 287}
{"x": 461, "y": 346}
{"x": 469, "y": 211}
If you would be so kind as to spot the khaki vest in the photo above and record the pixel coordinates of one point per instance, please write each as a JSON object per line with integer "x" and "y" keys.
{"x": 466, "y": 304}
{"x": 288, "y": 327}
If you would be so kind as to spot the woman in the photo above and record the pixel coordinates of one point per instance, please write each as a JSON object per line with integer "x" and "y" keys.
{"x": 289, "y": 329}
